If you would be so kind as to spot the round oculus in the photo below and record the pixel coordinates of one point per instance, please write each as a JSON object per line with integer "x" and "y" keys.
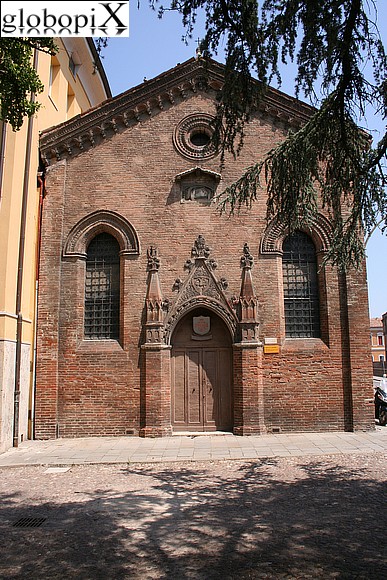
{"x": 192, "y": 137}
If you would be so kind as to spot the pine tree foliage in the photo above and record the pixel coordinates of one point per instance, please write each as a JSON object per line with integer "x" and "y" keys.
{"x": 342, "y": 71}
{"x": 18, "y": 78}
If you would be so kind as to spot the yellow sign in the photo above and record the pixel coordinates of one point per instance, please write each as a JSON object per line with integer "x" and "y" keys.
{"x": 271, "y": 348}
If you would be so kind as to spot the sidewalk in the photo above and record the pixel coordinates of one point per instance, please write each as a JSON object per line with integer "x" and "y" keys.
{"x": 190, "y": 447}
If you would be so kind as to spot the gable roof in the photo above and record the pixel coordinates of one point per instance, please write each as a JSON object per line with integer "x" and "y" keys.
{"x": 175, "y": 85}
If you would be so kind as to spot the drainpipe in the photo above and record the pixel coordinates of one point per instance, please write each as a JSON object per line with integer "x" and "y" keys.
{"x": 2, "y": 155}
{"x": 31, "y": 402}
{"x": 19, "y": 286}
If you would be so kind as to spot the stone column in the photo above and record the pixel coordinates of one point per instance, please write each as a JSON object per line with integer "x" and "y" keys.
{"x": 248, "y": 374}
{"x": 155, "y": 364}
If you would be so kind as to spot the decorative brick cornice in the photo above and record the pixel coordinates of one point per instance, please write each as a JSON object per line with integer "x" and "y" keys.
{"x": 97, "y": 222}
{"x": 196, "y": 171}
{"x": 320, "y": 231}
{"x": 149, "y": 98}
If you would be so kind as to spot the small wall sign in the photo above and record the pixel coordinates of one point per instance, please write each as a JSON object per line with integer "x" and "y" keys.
{"x": 271, "y": 349}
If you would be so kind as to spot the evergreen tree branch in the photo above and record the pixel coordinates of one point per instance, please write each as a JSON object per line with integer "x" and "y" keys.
{"x": 18, "y": 78}
{"x": 330, "y": 162}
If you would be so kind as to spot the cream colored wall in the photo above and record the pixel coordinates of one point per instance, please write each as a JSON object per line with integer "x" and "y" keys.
{"x": 84, "y": 85}
{"x": 54, "y": 110}
{"x": 376, "y": 348}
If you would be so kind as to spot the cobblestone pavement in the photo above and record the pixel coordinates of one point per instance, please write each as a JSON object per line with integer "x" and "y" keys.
{"x": 306, "y": 516}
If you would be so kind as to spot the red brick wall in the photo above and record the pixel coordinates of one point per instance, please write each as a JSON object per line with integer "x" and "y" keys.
{"x": 94, "y": 387}
{"x": 248, "y": 390}
{"x": 48, "y": 347}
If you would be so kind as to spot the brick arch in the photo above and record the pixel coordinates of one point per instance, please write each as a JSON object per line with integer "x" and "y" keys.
{"x": 320, "y": 231}
{"x": 201, "y": 302}
{"x": 96, "y": 223}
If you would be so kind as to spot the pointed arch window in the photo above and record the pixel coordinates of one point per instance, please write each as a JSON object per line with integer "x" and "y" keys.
{"x": 102, "y": 288}
{"x": 300, "y": 282}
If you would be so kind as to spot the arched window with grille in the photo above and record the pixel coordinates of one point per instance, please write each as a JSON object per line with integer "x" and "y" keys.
{"x": 300, "y": 282}
{"x": 102, "y": 288}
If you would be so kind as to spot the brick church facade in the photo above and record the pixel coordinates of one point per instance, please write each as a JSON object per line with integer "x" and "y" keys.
{"x": 160, "y": 315}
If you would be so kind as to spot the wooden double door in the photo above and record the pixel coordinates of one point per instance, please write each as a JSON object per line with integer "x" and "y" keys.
{"x": 202, "y": 377}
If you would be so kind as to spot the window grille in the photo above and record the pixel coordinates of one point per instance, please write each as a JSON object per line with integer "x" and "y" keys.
{"x": 301, "y": 297}
{"x": 102, "y": 288}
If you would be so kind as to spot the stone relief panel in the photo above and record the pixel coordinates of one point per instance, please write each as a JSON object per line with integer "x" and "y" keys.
{"x": 197, "y": 185}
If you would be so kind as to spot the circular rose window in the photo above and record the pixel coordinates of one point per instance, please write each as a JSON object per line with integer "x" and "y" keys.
{"x": 192, "y": 137}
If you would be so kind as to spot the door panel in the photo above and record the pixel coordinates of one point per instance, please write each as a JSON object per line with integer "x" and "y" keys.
{"x": 202, "y": 374}
{"x": 201, "y": 384}
{"x": 225, "y": 393}
{"x": 193, "y": 387}
{"x": 179, "y": 408}
{"x": 210, "y": 387}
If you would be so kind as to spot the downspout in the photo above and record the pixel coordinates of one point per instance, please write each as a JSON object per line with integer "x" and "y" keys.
{"x": 31, "y": 401}
{"x": 19, "y": 286}
{"x": 2, "y": 154}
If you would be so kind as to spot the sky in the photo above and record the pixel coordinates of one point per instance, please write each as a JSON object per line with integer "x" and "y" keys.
{"x": 155, "y": 46}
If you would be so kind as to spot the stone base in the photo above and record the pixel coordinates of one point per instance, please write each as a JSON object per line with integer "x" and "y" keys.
{"x": 156, "y": 431}
{"x": 250, "y": 430}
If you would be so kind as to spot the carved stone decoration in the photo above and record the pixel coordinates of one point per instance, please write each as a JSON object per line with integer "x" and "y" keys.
{"x": 320, "y": 231}
{"x": 189, "y": 265}
{"x": 201, "y": 281}
{"x": 171, "y": 97}
{"x": 200, "y": 289}
{"x": 247, "y": 259}
{"x": 95, "y": 223}
{"x": 200, "y": 248}
{"x": 192, "y": 137}
{"x": 246, "y": 306}
{"x": 201, "y": 325}
{"x": 155, "y": 306}
{"x": 153, "y": 260}
{"x": 198, "y": 193}
{"x": 197, "y": 185}
{"x": 177, "y": 285}
{"x": 201, "y": 83}
{"x": 144, "y": 100}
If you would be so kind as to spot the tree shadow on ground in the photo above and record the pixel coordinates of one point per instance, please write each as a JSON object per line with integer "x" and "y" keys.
{"x": 242, "y": 520}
